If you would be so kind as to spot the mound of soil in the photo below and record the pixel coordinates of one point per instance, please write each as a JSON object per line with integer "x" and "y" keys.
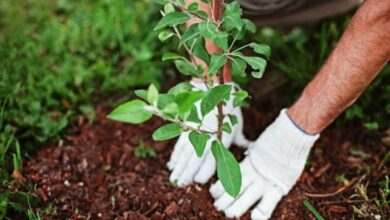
{"x": 93, "y": 173}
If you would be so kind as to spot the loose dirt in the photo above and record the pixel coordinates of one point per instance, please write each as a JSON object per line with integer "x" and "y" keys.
{"x": 93, "y": 173}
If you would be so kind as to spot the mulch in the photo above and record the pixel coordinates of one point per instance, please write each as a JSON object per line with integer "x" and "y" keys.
{"x": 92, "y": 172}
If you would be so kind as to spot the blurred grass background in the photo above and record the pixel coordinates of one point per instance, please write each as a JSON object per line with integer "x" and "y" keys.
{"x": 58, "y": 58}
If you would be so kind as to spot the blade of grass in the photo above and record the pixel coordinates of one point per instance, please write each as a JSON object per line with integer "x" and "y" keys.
{"x": 313, "y": 210}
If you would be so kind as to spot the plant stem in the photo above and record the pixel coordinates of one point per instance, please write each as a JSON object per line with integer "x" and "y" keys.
{"x": 182, "y": 124}
{"x": 185, "y": 46}
{"x": 193, "y": 60}
{"x": 217, "y": 11}
{"x": 185, "y": 9}
{"x": 220, "y": 110}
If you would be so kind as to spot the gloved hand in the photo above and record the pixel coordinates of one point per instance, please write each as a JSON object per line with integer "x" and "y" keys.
{"x": 272, "y": 167}
{"x": 185, "y": 165}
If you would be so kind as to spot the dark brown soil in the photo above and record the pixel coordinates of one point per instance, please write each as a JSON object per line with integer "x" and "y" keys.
{"x": 93, "y": 173}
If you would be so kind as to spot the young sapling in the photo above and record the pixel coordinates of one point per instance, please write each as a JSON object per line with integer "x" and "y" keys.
{"x": 178, "y": 106}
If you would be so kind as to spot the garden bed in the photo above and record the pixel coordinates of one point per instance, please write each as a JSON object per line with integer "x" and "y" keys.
{"x": 93, "y": 172}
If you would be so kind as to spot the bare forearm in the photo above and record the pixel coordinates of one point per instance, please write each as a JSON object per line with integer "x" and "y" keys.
{"x": 358, "y": 58}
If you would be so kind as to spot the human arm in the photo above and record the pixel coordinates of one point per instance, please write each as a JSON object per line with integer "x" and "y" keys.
{"x": 358, "y": 58}
{"x": 278, "y": 156}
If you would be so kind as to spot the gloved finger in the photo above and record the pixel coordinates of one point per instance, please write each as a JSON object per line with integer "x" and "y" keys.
{"x": 241, "y": 141}
{"x": 247, "y": 198}
{"x": 216, "y": 189}
{"x": 207, "y": 169}
{"x": 177, "y": 150}
{"x": 239, "y": 137}
{"x": 181, "y": 164}
{"x": 223, "y": 201}
{"x": 186, "y": 177}
{"x": 267, "y": 205}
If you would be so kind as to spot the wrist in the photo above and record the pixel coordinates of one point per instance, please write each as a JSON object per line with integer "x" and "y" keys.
{"x": 303, "y": 115}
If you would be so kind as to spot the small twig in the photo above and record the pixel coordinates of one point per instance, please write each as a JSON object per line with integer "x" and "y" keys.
{"x": 193, "y": 59}
{"x": 342, "y": 202}
{"x": 182, "y": 124}
{"x": 323, "y": 170}
{"x": 186, "y": 10}
{"x": 185, "y": 45}
{"x": 342, "y": 189}
{"x": 154, "y": 207}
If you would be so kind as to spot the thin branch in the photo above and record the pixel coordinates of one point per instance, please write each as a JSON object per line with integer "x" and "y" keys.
{"x": 247, "y": 45}
{"x": 217, "y": 10}
{"x": 182, "y": 124}
{"x": 186, "y": 10}
{"x": 185, "y": 45}
{"x": 342, "y": 189}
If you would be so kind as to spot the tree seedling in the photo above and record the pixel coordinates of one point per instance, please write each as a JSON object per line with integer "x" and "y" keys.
{"x": 225, "y": 28}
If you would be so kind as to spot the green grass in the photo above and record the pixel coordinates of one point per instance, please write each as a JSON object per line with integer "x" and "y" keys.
{"x": 56, "y": 59}
{"x": 313, "y": 210}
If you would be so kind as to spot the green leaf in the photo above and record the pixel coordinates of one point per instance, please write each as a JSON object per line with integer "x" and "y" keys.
{"x": 249, "y": 26}
{"x": 216, "y": 63}
{"x": 213, "y": 97}
{"x": 164, "y": 100}
{"x": 171, "y": 108}
{"x": 202, "y": 14}
{"x": 238, "y": 34}
{"x": 152, "y": 94}
{"x": 208, "y": 29}
{"x": 143, "y": 94}
{"x": 371, "y": 126}
{"x": 186, "y": 68}
{"x": 161, "y": 2}
{"x": 258, "y": 74}
{"x": 187, "y": 100}
{"x": 257, "y": 63}
{"x": 199, "y": 50}
{"x": 238, "y": 66}
{"x": 239, "y": 98}
{"x": 226, "y": 128}
{"x": 131, "y": 112}
{"x": 228, "y": 169}
{"x": 172, "y": 56}
{"x": 193, "y": 6}
{"x": 233, "y": 119}
{"x": 206, "y": 1}
{"x": 167, "y": 132}
{"x": 232, "y": 17}
{"x": 221, "y": 40}
{"x": 165, "y": 35}
{"x": 174, "y": 18}
{"x": 169, "y": 8}
{"x": 194, "y": 117}
{"x": 262, "y": 49}
{"x": 191, "y": 33}
{"x": 180, "y": 88}
{"x": 199, "y": 141}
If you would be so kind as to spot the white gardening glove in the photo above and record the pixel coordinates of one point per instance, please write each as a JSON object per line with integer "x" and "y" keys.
{"x": 273, "y": 166}
{"x": 185, "y": 165}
